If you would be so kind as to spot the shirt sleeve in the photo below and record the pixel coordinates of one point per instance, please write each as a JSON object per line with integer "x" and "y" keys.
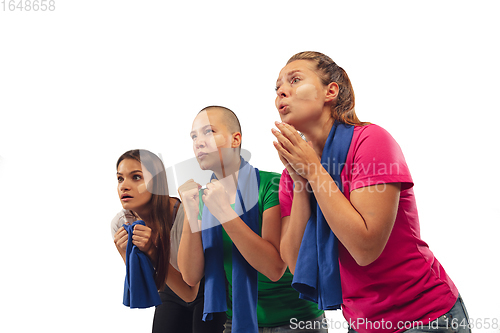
{"x": 377, "y": 159}
{"x": 269, "y": 190}
{"x": 123, "y": 217}
{"x": 175, "y": 236}
{"x": 286, "y": 193}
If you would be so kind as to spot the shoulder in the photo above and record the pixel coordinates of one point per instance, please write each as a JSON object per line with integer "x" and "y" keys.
{"x": 373, "y": 140}
{"x": 179, "y": 213}
{"x": 374, "y": 157}
{"x": 176, "y": 230}
{"x": 121, "y": 218}
{"x": 268, "y": 180}
{"x": 176, "y": 207}
{"x": 286, "y": 183}
{"x": 370, "y": 131}
{"x": 267, "y": 176}
{"x": 268, "y": 189}
{"x": 285, "y": 177}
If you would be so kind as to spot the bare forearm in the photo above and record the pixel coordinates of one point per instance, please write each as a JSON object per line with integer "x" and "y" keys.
{"x": 123, "y": 255}
{"x": 363, "y": 224}
{"x": 176, "y": 282}
{"x": 191, "y": 259}
{"x": 121, "y": 240}
{"x": 293, "y": 230}
{"x": 345, "y": 222}
{"x": 260, "y": 253}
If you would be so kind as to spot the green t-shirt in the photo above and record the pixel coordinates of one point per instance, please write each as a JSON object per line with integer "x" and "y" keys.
{"x": 277, "y": 301}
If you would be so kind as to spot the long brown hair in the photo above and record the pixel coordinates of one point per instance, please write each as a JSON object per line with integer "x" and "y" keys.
{"x": 159, "y": 218}
{"x": 329, "y": 72}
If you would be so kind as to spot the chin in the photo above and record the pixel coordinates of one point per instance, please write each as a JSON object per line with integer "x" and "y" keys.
{"x": 204, "y": 165}
{"x": 290, "y": 121}
{"x": 125, "y": 206}
{"x": 286, "y": 118}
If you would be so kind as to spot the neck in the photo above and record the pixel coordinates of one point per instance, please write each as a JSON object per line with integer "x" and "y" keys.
{"x": 229, "y": 178}
{"x": 318, "y": 133}
{"x": 228, "y": 168}
{"x": 143, "y": 214}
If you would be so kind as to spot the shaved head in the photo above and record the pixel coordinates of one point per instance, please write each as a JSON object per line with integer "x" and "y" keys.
{"x": 228, "y": 117}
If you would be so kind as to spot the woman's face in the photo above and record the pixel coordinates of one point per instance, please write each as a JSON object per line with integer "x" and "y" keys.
{"x": 212, "y": 141}
{"x": 132, "y": 185}
{"x": 300, "y": 93}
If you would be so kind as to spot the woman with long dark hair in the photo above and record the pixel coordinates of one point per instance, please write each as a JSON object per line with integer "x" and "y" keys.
{"x": 143, "y": 193}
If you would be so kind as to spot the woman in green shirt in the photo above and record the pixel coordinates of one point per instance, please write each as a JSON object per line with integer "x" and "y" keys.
{"x": 216, "y": 136}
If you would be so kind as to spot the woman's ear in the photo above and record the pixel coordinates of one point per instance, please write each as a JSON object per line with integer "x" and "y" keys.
{"x": 236, "y": 140}
{"x": 332, "y": 91}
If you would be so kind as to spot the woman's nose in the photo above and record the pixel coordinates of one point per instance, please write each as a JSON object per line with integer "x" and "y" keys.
{"x": 199, "y": 142}
{"x": 282, "y": 91}
{"x": 124, "y": 185}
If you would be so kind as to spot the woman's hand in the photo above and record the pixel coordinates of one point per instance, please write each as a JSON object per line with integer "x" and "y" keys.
{"x": 294, "y": 175}
{"x": 190, "y": 197}
{"x": 142, "y": 238}
{"x": 191, "y": 259}
{"x": 295, "y": 153}
{"x": 121, "y": 240}
{"x": 217, "y": 201}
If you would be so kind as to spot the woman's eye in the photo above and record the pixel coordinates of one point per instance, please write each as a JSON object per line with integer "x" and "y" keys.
{"x": 208, "y": 131}
{"x": 276, "y": 89}
{"x": 120, "y": 179}
{"x": 137, "y": 177}
{"x": 295, "y": 80}
{"x": 193, "y": 137}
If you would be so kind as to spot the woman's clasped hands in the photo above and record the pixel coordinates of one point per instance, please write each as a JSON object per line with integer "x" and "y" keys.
{"x": 296, "y": 154}
{"x": 141, "y": 238}
{"x": 214, "y": 196}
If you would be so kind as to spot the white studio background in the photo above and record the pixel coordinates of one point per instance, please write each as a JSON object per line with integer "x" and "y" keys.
{"x": 82, "y": 84}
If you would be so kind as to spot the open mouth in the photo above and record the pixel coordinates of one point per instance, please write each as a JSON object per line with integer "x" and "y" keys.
{"x": 283, "y": 109}
{"x": 126, "y": 196}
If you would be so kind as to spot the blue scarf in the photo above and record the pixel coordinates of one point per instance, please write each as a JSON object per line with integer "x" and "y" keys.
{"x": 317, "y": 276}
{"x": 140, "y": 288}
{"x": 244, "y": 275}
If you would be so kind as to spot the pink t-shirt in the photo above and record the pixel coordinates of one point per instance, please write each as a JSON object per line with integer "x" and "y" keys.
{"x": 406, "y": 283}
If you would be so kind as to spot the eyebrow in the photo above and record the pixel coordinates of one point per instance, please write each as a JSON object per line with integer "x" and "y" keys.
{"x": 287, "y": 75}
{"x": 202, "y": 128}
{"x": 131, "y": 172}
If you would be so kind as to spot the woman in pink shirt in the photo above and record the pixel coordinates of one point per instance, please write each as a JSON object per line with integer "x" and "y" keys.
{"x": 390, "y": 280}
